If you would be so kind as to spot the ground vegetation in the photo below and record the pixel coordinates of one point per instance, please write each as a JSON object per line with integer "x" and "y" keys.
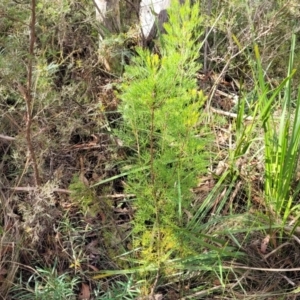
{"x": 166, "y": 169}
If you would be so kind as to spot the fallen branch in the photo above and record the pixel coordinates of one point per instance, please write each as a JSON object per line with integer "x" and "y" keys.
{"x": 236, "y": 266}
{"x": 65, "y": 191}
{"x": 6, "y": 137}
{"x": 229, "y": 114}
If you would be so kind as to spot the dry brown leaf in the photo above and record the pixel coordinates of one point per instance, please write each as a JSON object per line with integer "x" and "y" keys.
{"x": 85, "y": 293}
{"x": 3, "y": 271}
{"x": 264, "y": 244}
{"x": 95, "y": 269}
{"x": 93, "y": 247}
{"x": 221, "y": 168}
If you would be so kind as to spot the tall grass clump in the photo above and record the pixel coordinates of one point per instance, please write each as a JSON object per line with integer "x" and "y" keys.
{"x": 281, "y": 141}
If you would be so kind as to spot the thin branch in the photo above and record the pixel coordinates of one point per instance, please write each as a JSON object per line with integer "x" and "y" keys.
{"x": 26, "y": 92}
{"x": 65, "y": 191}
{"x": 229, "y": 114}
{"x": 236, "y": 266}
{"x": 6, "y": 137}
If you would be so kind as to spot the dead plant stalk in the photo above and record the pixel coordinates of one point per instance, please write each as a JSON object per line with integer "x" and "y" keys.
{"x": 26, "y": 92}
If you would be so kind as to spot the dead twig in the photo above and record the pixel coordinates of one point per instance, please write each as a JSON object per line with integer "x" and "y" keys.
{"x": 6, "y": 137}
{"x": 26, "y": 93}
{"x": 275, "y": 250}
{"x": 236, "y": 266}
{"x": 65, "y": 191}
{"x": 229, "y": 114}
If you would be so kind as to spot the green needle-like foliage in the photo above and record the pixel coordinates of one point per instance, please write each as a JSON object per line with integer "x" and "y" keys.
{"x": 161, "y": 108}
